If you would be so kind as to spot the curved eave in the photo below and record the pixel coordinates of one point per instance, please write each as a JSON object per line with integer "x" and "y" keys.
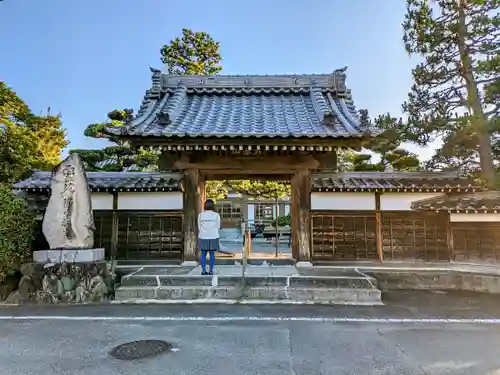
{"x": 458, "y": 210}
{"x": 396, "y": 190}
{"x": 106, "y": 189}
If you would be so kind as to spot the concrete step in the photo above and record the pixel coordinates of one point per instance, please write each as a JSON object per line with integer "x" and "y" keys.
{"x": 337, "y": 289}
{"x": 343, "y": 296}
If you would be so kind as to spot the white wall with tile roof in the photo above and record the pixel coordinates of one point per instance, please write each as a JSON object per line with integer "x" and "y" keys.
{"x": 102, "y": 201}
{"x": 403, "y": 201}
{"x": 150, "y": 201}
{"x": 365, "y": 201}
{"x": 343, "y": 201}
{"x": 474, "y": 217}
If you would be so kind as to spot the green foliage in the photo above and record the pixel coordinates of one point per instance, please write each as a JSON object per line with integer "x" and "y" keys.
{"x": 115, "y": 158}
{"x": 283, "y": 221}
{"x": 456, "y": 88}
{"x": 18, "y": 154}
{"x": 216, "y": 190}
{"x": 264, "y": 189}
{"x": 387, "y": 146}
{"x": 16, "y": 232}
{"x": 27, "y": 141}
{"x": 193, "y": 53}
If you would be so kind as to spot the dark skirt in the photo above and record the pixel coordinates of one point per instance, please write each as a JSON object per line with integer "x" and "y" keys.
{"x": 211, "y": 244}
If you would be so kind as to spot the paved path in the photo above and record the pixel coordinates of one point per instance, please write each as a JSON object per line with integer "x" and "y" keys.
{"x": 227, "y": 344}
{"x": 232, "y": 241}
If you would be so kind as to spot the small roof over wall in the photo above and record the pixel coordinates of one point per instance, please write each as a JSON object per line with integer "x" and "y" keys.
{"x": 477, "y": 202}
{"x": 111, "y": 181}
{"x": 245, "y": 110}
{"x": 393, "y": 182}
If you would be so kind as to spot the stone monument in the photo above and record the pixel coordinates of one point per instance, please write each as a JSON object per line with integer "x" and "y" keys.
{"x": 71, "y": 271}
{"x": 68, "y": 223}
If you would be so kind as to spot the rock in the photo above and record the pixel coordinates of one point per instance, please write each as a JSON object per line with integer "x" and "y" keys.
{"x": 68, "y": 283}
{"x": 9, "y": 285}
{"x": 15, "y": 298}
{"x": 69, "y": 222}
{"x": 65, "y": 283}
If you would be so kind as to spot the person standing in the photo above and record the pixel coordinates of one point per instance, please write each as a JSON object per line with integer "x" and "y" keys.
{"x": 208, "y": 235}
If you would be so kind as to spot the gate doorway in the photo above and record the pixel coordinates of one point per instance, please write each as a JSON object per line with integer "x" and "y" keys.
{"x": 261, "y": 207}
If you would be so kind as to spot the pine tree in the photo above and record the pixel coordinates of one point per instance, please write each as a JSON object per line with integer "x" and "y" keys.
{"x": 456, "y": 90}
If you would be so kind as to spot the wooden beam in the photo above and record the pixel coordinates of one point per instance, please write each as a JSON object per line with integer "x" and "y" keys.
{"x": 301, "y": 206}
{"x": 378, "y": 227}
{"x": 216, "y": 175}
{"x": 327, "y": 161}
{"x": 250, "y": 164}
{"x": 449, "y": 239}
{"x": 191, "y": 209}
{"x": 202, "y": 141}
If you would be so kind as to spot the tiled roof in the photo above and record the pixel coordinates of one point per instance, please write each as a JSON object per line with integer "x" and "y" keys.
{"x": 129, "y": 168}
{"x": 281, "y": 106}
{"x": 392, "y": 181}
{"x": 102, "y": 181}
{"x": 482, "y": 202}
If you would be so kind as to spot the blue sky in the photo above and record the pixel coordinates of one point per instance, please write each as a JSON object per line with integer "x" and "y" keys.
{"x": 84, "y": 58}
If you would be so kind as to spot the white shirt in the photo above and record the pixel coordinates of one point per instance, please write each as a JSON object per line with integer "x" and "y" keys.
{"x": 208, "y": 225}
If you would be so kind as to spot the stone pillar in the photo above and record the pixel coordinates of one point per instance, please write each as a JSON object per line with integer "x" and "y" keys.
{"x": 301, "y": 228}
{"x": 191, "y": 208}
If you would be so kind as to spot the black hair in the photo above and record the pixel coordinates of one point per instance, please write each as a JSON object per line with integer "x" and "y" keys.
{"x": 209, "y": 205}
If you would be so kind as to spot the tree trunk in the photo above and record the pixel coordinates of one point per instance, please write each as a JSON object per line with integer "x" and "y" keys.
{"x": 479, "y": 120}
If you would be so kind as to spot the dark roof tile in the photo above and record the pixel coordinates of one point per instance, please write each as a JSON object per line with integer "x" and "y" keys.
{"x": 484, "y": 201}
{"x": 133, "y": 181}
{"x": 286, "y": 106}
{"x": 391, "y": 181}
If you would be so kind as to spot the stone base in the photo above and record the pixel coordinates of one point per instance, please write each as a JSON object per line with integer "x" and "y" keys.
{"x": 262, "y": 284}
{"x": 303, "y": 265}
{"x": 63, "y": 283}
{"x": 68, "y": 256}
{"x": 189, "y": 263}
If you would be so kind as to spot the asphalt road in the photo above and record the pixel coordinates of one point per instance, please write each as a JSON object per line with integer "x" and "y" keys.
{"x": 71, "y": 341}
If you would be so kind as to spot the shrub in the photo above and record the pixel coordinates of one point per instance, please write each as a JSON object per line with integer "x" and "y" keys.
{"x": 283, "y": 221}
{"x": 16, "y": 231}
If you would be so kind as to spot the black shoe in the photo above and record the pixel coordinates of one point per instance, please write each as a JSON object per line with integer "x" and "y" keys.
{"x": 210, "y": 273}
{"x": 203, "y": 272}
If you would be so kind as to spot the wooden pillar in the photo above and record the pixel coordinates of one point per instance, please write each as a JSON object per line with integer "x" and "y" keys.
{"x": 301, "y": 206}
{"x": 449, "y": 240}
{"x": 378, "y": 228}
{"x": 202, "y": 193}
{"x": 114, "y": 227}
{"x": 191, "y": 208}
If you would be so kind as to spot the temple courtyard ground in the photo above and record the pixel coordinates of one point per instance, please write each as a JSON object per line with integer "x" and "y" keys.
{"x": 414, "y": 333}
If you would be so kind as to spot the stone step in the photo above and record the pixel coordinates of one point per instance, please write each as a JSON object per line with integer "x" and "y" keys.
{"x": 343, "y": 296}
{"x": 261, "y": 283}
{"x": 330, "y": 282}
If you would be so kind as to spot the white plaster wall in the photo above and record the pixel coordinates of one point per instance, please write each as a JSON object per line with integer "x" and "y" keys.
{"x": 102, "y": 201}
{"x": 287, "y": 209}
{"x": 251, "y": 213}
{"x": 150, "y": 201}
{"x": 342, "y": 201}
{"x": 402, "y": 201}
{"x": 473, "y": 217}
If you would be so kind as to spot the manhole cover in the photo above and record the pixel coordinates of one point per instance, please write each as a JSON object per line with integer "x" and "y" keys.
{"x": 140, "y": 349}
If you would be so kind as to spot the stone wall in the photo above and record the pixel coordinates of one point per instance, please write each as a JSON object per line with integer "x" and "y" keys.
{"x": 437, "y": 280}
{"x": 64, "y": 283}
